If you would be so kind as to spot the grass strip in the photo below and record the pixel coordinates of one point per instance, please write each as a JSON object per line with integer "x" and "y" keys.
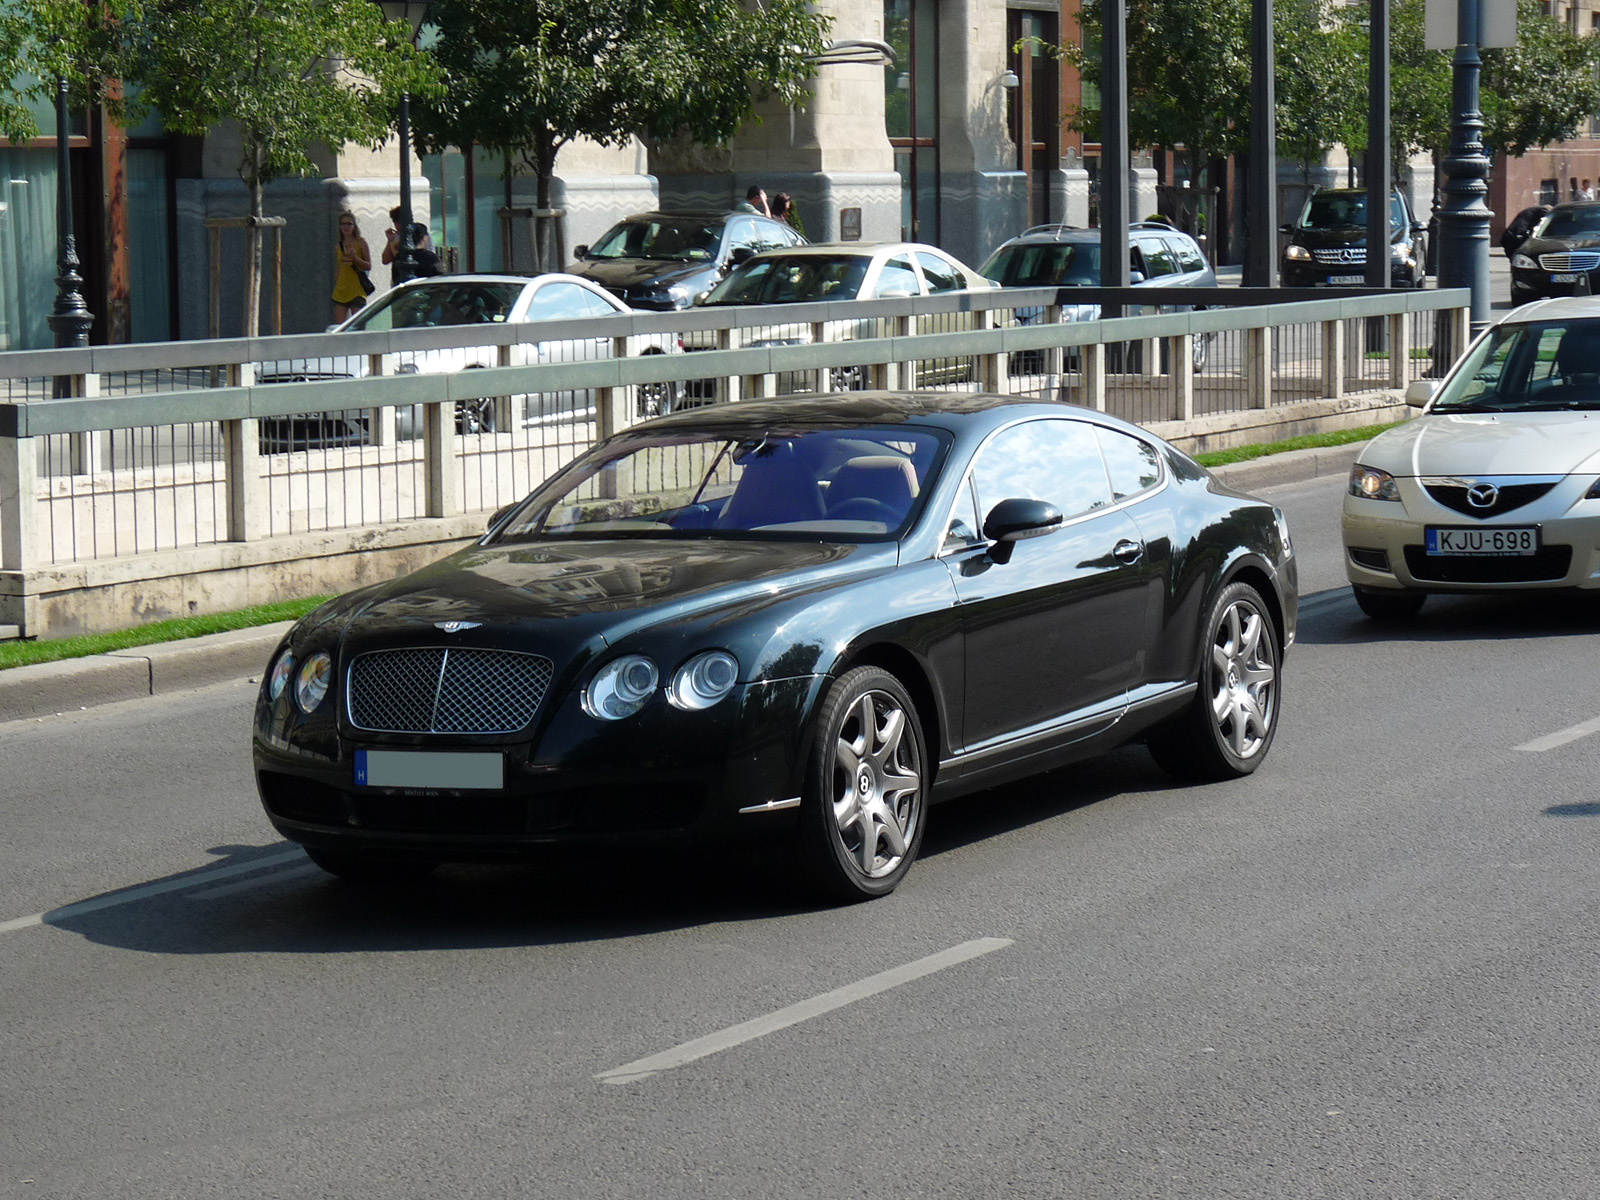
{"x": 1309, "y": 441}
{"x": 21, "y": 654}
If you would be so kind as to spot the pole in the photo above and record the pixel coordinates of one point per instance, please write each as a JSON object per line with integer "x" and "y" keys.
{"x": 71, "y": 319}
{"x": 405, "y": 263}
{"x": 1379, "y": 181}
{"x": 1114, "y": 157}
{"x": 1464, "y": 217}
{"x": 1261, "y": 200}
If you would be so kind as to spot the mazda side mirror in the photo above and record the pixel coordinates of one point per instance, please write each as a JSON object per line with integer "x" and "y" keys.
{"x": 1135, "y": 277}
{"x": 1420, "y": 392}
{"x": 1012, "y": 521}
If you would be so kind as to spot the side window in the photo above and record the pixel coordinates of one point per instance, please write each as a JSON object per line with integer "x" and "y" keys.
{"x": 771, "y": 236}
{"x": 1188, "y": 254}
{"x": 941, "y": 275}
{"x": 1157, "y": 258}
{"x": 964, "y": 528}
{"x": 742, "y": 232}
{"x": 898, "y": 278}
{"x": 1052, "y": 460}
{"x": 597, "y": 306}
{"x": 559, "y": 302}
{"x": 1132, "y": 465}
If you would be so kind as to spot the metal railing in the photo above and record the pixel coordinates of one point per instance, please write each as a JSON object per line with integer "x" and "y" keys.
{"x": 160, "y": 447}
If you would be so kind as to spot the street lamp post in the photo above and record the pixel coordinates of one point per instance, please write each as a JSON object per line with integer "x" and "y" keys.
{"x": 405, "y": 260}
{"x": 71, "y": 319}
{"x": 1465, "y": 216}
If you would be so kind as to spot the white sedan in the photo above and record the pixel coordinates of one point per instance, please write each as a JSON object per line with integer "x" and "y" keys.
{"x": 1496, "y": 485}
{"x": 463, "y": 300}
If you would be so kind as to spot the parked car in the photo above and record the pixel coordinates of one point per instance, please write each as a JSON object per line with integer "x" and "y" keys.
{"x": 1496, "y": 485}
{"x": 662, "y": 261}
{"x": 849, "y": 271}
{"x": 805, "y": 618}
{"x": 1562, "y": 257}
{"x": 450, "y": 300}
{"x": 1065, "y": 256}
{"x": 1327, "y": 245}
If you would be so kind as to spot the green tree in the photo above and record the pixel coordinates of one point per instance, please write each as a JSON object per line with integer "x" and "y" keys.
{"x": 1319, "y": 79}
{"x": 526, "y": 77}
{"x": 1544, "y": 88}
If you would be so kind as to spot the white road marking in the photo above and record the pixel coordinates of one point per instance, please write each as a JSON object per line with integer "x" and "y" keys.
{"x": 255, "y": 881}
{"x": 143, "y": 891}
{"x": 1561, "y": 736}
{"x": 748, "y": 1031}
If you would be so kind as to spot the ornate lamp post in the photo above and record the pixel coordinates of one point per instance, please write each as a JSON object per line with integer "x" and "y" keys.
{"x": 1464, "y": 219}
{"x": 71, "y": 319}
{"x": 405, "y": 262}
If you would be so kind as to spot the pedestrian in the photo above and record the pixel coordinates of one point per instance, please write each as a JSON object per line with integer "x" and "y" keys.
{"x": 352, "y": 260}
{"x": 783, "y": 209}
{"x": 1521, "y": 228}
{"x": 1586, "y": 192}
{"x": 755, "y": 201}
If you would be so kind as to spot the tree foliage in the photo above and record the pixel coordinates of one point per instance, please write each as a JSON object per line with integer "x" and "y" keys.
{"x": 526, "y": 77}
{"x": 1543, "y": 89}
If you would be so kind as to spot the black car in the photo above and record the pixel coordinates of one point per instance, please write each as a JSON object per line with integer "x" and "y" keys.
{"x": 662, "y": 261}
{"x": 1562, "y": 258}
{"x": 808, "y": 618}
{"x": 1328, "y": 243}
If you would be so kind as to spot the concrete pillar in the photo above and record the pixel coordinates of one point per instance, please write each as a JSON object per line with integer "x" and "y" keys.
{"x": 19, "y": 503}
{"x": 1069, "y": 196}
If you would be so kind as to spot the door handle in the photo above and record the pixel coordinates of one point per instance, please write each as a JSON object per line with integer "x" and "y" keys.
{"x": 1128, "y": 552}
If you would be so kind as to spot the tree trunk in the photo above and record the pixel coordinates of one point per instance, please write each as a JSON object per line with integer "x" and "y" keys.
{"x": 543, "y": 227}
{"x": 252, "y": 253}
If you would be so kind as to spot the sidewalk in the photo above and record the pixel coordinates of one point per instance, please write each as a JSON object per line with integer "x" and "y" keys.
{"x": 160, "y": 669}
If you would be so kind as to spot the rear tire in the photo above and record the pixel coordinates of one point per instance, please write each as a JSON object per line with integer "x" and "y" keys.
{"x": 370, "y": 868}
{"x": 865, "y": 802}
{"x": 1227, "y": 729}
{"x": 1383, "y": 605}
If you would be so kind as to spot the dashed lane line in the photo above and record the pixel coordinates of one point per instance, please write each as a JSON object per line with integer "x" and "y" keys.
{"x": 1562, "y": 736}
{"x": 748, "y": 1031}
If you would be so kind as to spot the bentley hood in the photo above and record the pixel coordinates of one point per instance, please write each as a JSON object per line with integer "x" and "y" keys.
{"x": 1473, "y": 444}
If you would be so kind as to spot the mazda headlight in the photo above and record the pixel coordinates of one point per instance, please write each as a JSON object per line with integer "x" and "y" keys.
{"x": 1372, "y": 484}
{"x": 1523, "y": 263}
{"x": 621, "y": 688}
{"x": 278, "y": 678}
{"x": 311, "y": 684}
{"x": 1297, "y": 254}
{"x": 703, "y": 680}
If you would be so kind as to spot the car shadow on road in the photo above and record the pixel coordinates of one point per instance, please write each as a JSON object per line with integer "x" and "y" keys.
{"x": 1336, "y": 621}
{"x": 271, "y": 900}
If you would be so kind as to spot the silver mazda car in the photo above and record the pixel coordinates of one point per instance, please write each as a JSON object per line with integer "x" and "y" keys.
{"x": 1496, "y": 484}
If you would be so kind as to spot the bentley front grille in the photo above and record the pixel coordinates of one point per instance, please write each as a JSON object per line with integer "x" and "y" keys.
{"x": 446, "y": 690}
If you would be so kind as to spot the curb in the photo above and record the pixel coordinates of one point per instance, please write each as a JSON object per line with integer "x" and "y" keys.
{"x": 52, "y": 688}
{"x": 159, "y": 669}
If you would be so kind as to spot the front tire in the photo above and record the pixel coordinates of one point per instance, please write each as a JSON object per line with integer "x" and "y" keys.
{"x": 1228, "y": 727}
{"x": 865, "y": 802}
{"x": 1382, "y": 605}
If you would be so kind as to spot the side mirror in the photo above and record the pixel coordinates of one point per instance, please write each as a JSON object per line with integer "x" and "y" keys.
{"x": 1011, "y": 521}
{"x": 700, "y": 297}
{"x": 1420, "y": 392}
{"x": 1135, "y": 277}
{"x": 741, "y": 254}
{"x": 581, "y": 252}
{"x": 1418, "y": 227}
{"x": 1285, "y": 228}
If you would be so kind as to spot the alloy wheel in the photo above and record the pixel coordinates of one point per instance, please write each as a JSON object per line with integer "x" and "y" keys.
{"x": 1244, "y": 678}
{"x": 877, "y": 784}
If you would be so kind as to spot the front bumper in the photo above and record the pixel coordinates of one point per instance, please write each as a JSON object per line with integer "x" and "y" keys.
{"x": 660, "y": 773}
{"x": 1537, "y": 283}
{"x": 1385, "y": 543}
{"x": 1312, "y": 274}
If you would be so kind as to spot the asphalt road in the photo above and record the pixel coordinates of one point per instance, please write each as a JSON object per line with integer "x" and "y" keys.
{"x": 1366, "y": 971}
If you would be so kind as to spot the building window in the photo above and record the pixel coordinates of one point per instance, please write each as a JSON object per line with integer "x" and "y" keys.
{"x": 1549, "y": 191}
{"x": 911, "y": 112}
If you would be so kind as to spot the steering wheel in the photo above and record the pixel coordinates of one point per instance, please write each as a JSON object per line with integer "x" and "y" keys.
{"x": 862, "y": 508}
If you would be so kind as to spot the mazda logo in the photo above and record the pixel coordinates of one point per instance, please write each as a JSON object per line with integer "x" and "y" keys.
{"x": 1483, "y": 495}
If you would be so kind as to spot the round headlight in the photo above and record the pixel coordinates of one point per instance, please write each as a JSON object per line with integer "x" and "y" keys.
{"x": 621, "y": 688}
{"x": 311, "y": 684}
{"x": 279, "y": 677}
{"x": 703, "y": 680}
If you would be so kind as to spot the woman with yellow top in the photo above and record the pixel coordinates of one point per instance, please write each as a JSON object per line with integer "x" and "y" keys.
{"x": 351, "y": 257}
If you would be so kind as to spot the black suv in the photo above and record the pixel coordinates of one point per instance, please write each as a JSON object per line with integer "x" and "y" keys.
{"x": 1328, "y": 244}
{"x": 1562, "y": 258}
{"x": 662, "y": 261}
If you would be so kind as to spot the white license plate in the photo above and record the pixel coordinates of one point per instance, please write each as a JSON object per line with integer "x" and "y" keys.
{"x": 431, "y": 769}
{"x": 1564, "y": 278}
{"x": 1498, "y": 542}
{"x": 1347, "y": 279}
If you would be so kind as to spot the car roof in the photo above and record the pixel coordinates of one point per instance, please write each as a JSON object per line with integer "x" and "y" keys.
{"x": 1072, "y": 235}
{"x": 691, "y": 214}
{"x": 865, "y": 249}
{"x": 947, "y": 410}
{"x": 1574, "y": 205}
{"x": 1559, "y": 308}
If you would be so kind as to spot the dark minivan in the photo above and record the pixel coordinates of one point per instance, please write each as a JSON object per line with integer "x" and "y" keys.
{"x": 662, "y": 261}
